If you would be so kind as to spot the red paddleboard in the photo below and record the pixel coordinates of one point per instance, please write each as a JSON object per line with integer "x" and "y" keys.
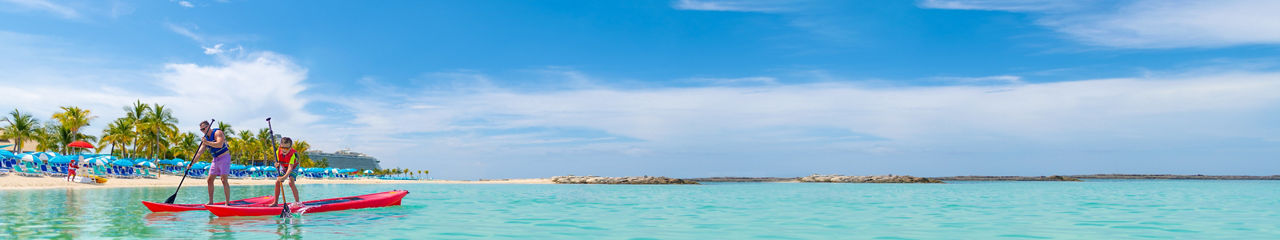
{"x": 381, "y": 199}
{"x": 166, "y": 207}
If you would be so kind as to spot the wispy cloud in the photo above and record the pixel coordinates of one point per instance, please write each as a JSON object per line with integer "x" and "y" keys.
{"x": 987, "y": 80}
{"x": 1146, "y": 23}
{"x": 666, "y": 122}
{"x": 43, "y": 73}
{"x": 44, "y": 5}
{"x": 1007, "y": 5}
{"x": 736, "y": 5}
{"x": 758, "y": 80}
{"x": 186, "y": 31}
{"x": 186, "y": 4}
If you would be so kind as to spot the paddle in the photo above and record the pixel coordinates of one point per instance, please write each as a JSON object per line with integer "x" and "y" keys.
{"x": 193, "y": 161}
{"x": 284, "y": 212}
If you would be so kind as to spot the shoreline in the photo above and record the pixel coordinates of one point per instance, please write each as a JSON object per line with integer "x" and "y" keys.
{"x": 15, "y": 182}
{"x": 1049, "y": 178}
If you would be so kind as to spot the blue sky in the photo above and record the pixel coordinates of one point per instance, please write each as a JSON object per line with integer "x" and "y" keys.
{"x": 686, "y": 88}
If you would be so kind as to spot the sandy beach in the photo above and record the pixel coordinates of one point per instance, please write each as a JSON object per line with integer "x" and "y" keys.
{"x": 15, "y": 182}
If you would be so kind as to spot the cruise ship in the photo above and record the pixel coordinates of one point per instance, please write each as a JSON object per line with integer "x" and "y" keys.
{"x": 345, "y": 159}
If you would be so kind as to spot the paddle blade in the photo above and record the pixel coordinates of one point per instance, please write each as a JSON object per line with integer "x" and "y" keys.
{"x": 284, "y": 211}
{"x": 171, "y": 197}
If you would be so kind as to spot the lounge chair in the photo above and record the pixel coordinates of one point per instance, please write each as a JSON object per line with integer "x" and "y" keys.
{"x": 100, "y": 171}
{"x": 29, "y": 170}
{"x": 54, "y": 171}
{"x": 146, "y": 173}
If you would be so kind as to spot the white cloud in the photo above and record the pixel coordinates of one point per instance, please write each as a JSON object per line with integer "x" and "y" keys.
{"x": 186, "y": 4}
{"x": 1146, "y": 23}
{"x": 758, "y": 80}
{"x": 988, "y": 80}
{"x": 217, "y": 49}
{"x": 735, "y": 5}
{"x": 185, "y": 31}
{"x": 666, "y": 122}
{"x": 242, "y": 91}
{"x": 1005, "y": 5}
{"x": 44, "y": 5}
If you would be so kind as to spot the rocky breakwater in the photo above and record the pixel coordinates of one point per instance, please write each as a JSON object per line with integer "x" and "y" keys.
{"x": 866, "y": 179}
{"x": 618, "y": 180}
{"x": 1054, "y": 178}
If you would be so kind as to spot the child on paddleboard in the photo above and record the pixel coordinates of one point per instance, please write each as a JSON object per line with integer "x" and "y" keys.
{"x": 288, "y": 164}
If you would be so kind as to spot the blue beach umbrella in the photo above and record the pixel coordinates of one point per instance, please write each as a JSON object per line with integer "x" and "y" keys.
{"x": 61, "y": 160}
{"x": 7, "y": 154}
{"x": 42, "y": 156}
{"x": 97, "y": 161}
{"x": 237, "y": 167}
{"x": 122, "y": 162}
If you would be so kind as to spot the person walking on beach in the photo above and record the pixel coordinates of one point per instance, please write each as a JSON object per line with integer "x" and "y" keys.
{"x": 72, "y": 166}
{"x": 288, "y": 164}
{"x": 216, "y": 143}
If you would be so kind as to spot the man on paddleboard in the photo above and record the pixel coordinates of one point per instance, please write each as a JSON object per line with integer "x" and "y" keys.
{"x": 216, "y": 143}
{"x": 287, "y": 164}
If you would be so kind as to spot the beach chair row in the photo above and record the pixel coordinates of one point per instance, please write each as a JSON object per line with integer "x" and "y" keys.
{"x": 33, "y": 169}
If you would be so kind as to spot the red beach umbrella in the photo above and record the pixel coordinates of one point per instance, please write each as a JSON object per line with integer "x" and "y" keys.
{"x": 80, "y": 144}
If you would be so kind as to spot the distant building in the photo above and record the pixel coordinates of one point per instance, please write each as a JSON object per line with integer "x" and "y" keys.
{"x": 345, "y": 159}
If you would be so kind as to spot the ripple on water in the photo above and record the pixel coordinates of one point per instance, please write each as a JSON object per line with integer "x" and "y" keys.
{"x": 1097, "y": 210}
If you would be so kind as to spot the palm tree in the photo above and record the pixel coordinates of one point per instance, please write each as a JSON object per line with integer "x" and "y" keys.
{"x": 73, "y": 118}
{"x": 158, "y": 123}
{"x": 264, "y": 137}
{"x": 185, "y": 143}
{"x": 302, "y": 147}
{"x": 133, "y": 116}
{"x": 21, "y": 127}
{"x": 55, "y": 137}
{"x": 117, "y": 134}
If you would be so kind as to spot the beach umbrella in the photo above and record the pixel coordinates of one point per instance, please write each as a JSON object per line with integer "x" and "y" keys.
{"x": 122, "y": 162}
{"x": 237, "y": 167}
{"x": 42, "y": 156}
{"x": 27, "y": 157}
{"x": 61, "y": 160}
{"x": 80, "y": 144}
{"x": 146, "y": 164}
{"x": 270, "y": 169}
{"x": 7, "y": 154}
{"x": 98, "y": 161}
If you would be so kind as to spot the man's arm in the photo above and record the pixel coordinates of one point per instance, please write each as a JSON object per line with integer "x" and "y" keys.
{"x": 218, "y": 139}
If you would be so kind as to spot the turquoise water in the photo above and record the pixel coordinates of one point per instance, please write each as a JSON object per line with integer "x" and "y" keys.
{"x": 962, "y": 210}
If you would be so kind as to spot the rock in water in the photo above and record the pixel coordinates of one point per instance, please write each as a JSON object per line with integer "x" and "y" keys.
{"x": 866, "y": 179}
{"x": 618, "y": 180}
